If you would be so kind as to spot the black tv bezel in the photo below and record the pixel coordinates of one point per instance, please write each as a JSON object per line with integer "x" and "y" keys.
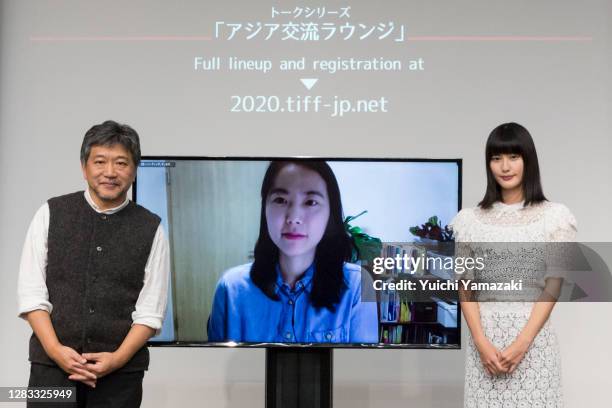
{"x": 370, "y": 346}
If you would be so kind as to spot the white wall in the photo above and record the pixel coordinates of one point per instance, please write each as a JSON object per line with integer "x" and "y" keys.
{"x": 52, "y": 92}
{"x": 152, "y": 189}
{"x": 397, "y": 196}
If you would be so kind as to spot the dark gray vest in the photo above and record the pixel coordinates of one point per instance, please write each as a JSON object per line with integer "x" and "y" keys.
{"x": 95, "y": 271}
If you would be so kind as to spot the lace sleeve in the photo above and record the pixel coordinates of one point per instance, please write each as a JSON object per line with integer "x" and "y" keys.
{"x": 460, "y": 226}
{"x": 561, "y": 248}
{"x": 560, "y": 225}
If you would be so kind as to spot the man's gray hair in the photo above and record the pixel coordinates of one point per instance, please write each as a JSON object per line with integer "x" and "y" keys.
{"x": 108, "y": 134}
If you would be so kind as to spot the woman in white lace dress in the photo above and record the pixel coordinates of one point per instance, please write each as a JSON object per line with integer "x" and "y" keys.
{"x": 512, "y": 351}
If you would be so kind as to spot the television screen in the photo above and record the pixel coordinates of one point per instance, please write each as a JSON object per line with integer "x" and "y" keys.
{"x": 283, "y": 251}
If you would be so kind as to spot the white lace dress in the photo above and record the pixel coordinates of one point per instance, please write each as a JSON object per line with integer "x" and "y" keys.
{"x": 536, "y": 382}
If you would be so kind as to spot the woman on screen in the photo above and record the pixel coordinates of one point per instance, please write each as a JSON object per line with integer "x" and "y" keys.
{"x": 300, "y": 287}
{"x": 512, "y": 353}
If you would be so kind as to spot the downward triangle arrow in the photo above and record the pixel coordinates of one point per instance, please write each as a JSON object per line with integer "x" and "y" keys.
{"x": 309, "y": 82}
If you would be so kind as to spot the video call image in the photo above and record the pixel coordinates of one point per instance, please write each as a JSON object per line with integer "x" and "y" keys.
{"x": 279, "y": 251}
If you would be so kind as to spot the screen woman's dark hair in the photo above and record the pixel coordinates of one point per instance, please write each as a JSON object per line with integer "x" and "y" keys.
{"x": 332, "y": 251}
{"x": 512, "y": 138}
{"x": 108, "y": 134}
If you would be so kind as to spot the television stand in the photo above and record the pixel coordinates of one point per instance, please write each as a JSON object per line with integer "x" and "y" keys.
{"x": 299, "y": 377}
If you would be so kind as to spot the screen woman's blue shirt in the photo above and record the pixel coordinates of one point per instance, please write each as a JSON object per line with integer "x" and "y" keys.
{"x": 241, "y": 312}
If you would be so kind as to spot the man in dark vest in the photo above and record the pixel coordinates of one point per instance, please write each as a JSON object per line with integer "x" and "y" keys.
{"x": 93, "y": 279}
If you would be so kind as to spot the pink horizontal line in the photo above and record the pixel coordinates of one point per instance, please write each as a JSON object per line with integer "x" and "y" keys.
{"x": 411, "y": 38}
{"x": 498, "y": 38}
{"x": 119, "y": 38}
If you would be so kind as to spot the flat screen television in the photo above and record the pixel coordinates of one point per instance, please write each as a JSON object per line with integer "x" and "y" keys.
{"x": 279, "y": 251}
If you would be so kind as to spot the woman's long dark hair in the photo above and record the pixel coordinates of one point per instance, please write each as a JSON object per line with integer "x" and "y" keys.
{"x": 332, "y": 251}
{"x": 512, "y": 138}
